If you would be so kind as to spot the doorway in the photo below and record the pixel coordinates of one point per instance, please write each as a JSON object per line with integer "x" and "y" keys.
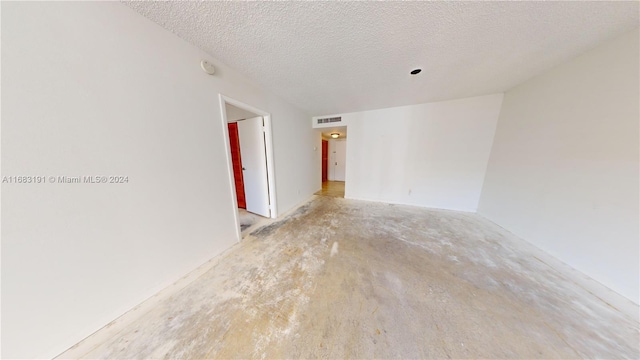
{"x": 334, "y": 162}
{"x": 250, "y": 158}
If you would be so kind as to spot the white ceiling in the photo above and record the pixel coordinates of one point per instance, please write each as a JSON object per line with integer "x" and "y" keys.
{"x": 334, "y": 57}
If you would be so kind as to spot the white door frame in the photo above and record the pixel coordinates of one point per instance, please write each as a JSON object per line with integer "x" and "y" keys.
{"x": 268, "y": 137}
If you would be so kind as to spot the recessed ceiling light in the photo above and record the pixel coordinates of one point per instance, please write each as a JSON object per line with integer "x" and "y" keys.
{"x": 416, "y": 71}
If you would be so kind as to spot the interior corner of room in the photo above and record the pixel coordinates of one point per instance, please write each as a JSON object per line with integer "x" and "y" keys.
{"x": 248, "y": 145}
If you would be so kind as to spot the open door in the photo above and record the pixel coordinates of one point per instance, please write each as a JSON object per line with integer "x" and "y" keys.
{"x": 254, "y": 165}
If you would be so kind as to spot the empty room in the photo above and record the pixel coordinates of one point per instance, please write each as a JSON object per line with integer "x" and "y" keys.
{"x": 218, "y": 180}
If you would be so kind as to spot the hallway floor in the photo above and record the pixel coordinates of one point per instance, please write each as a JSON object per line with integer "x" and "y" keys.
{"x": 351, "y": 279}
{"x": 249, "y": 220}
{"x": 332, "y": 188}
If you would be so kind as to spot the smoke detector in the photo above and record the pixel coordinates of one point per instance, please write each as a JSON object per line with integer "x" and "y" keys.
{"x": 207, "y": 67}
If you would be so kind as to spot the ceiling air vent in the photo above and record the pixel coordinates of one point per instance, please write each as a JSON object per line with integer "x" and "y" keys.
{"x": 330, "y": 120}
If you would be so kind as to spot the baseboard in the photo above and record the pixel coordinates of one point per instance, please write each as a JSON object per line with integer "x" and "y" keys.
{"x": 409, "y": 204}
{"x": 597, "y": 289}
{"x": 610, "y": 297}
{"x": 113, "y": 328}
{"x": 110, "y": 330}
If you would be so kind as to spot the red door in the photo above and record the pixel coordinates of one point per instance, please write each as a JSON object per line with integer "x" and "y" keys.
{"x": 325, "y": 159}
{"x": 234, "y": 141}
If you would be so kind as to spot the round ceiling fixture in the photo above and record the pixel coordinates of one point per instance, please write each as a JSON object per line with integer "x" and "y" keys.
{"x": 335, "y": 135}
{"x": 416, "y": 71}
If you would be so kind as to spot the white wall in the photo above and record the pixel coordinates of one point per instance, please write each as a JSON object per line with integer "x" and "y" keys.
{"x": 431, "y": 155}
{"x": 564, "y": 167}
{"x": 96, "y": 89}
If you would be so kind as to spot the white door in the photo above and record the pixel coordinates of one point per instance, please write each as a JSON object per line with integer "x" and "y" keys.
{"x": 254, "y": 165}
{"x": 339, "y": 159}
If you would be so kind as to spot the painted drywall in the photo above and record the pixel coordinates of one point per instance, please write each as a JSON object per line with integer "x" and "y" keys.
{"x": 563, "y": 172}
{"x": 431, "y": 155}
{"x": 94, "y": 88}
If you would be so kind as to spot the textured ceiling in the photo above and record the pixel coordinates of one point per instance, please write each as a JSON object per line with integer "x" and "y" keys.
{"x": 334, "y": 57}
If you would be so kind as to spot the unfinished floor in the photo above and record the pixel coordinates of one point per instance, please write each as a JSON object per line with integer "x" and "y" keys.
{"x": 248, "y": 220}
{"x": 350, "y": 279}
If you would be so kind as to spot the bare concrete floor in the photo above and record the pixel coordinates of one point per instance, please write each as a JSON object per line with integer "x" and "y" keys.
{"x": 332, "y": 188}
{"x": 350, "y": 279}
{"x": 248, "y": 220}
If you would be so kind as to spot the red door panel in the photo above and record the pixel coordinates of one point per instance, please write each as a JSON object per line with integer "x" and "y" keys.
{"x": 234, "y": 141}
{"x": 325, "y": 159}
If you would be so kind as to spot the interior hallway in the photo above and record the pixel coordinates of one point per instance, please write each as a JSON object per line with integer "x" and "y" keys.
{"x": 341, "y": 278}
{"x": 332, "y": 188}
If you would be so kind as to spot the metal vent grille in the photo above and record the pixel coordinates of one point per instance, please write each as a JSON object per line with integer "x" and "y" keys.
{"x": 330, "y": 120}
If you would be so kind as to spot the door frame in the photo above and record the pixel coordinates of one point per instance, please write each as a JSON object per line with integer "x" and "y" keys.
{"x": 268, "y": 137}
